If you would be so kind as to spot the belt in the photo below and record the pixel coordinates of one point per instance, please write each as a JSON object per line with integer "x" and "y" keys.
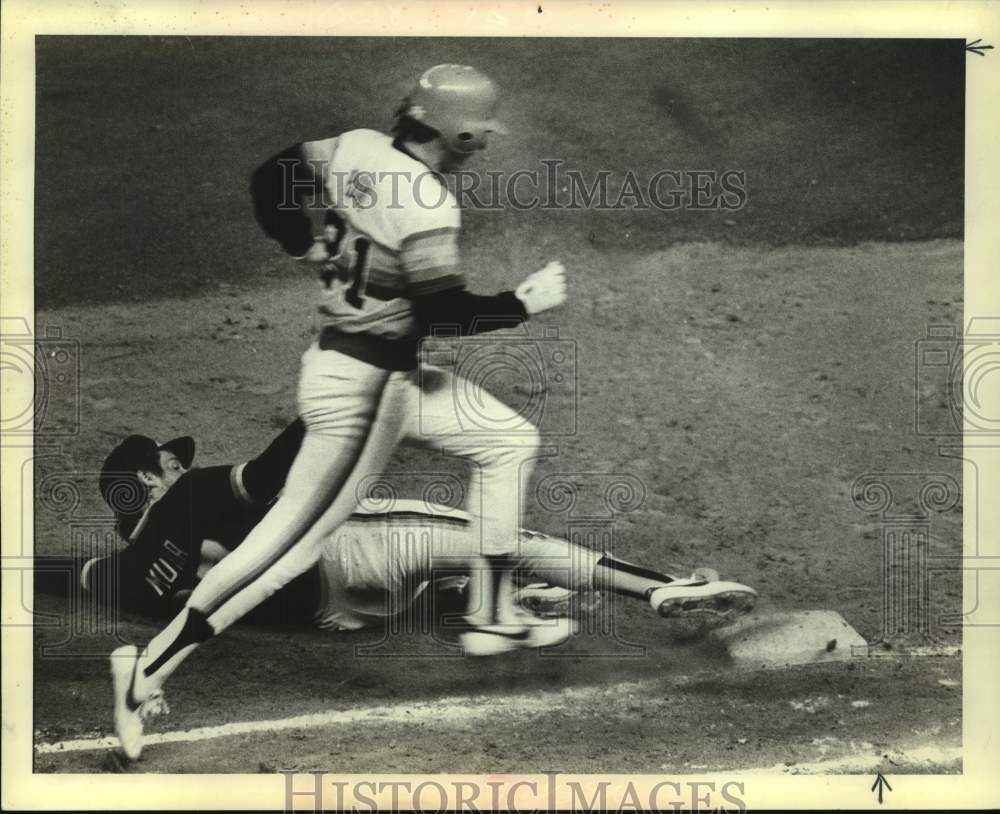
{"x": 388, "y": 354}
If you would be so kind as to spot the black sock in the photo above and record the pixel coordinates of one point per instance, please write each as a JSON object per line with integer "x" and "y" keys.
{"x": 196, "y": 630}
{"x": 498, "y": 564}
{"x": 627, "y": 579}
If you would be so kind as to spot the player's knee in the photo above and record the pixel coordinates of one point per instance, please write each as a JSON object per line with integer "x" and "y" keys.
{"x": 532, "y": 437}
{"x": 512, "y": 450}
{"x": 523, "y": 442}
{"x": 529, "y": 441}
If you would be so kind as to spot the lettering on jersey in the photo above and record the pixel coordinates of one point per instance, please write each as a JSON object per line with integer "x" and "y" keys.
{"x": 376, "y": 238}
{"x": 360, "y": 189}
{"x": 177, "y": 552}
{"x": 165, "y": 569}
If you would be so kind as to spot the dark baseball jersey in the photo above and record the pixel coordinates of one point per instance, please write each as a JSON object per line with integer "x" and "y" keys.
{"x": 218, "y": 503}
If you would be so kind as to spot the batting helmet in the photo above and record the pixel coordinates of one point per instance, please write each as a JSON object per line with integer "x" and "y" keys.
{"x": 459, "y": 102}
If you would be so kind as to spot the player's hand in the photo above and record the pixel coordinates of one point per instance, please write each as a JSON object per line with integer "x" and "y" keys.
{"x": 544, "y": 289}
{"x": 318, "y": 253}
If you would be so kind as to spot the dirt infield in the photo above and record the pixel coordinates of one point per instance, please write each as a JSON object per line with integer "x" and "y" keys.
{"x": 740, "y": 369}
{"x": 662, "y": 717}
{"x": 772, "y": 379}
{"x": 145, "y": 145}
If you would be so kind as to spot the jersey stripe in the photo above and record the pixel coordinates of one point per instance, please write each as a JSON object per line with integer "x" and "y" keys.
{"x": 239, "y": 488}
{"x": 426, "y": 234}
{"x": 429, "y": 256}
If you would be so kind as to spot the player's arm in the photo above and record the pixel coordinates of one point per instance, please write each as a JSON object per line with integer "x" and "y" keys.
{"x": 440, "y": 298}
{"x": 467, "y": 313}
{"x": 258, "y": 481}
{"x": 279, "y": 188}
{"x": 120, "y": 581}
{"x": 114, "y": 580}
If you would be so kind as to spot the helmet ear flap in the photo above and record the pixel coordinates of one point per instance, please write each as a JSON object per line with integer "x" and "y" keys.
{"x": 466, "y": 142}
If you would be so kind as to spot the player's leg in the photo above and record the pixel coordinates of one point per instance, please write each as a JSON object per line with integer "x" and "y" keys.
{"x": 353, "y": 416}
{"x": 564, "y": 564}
{"x": 700, "y": 594}
{"x": 469, "y": 422}
{"x": 374, "y": 568}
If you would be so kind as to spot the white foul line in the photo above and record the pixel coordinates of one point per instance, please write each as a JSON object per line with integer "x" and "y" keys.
{"x": 470, "y": 707}
{"x": 931, "y": 757}
{"x": 451, "y": 708}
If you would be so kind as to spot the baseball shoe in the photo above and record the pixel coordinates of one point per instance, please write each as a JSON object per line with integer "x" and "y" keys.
{"x": 694, "y": 597}
{"x": 492, "y": 640}
{"x": 128, "y": 713}
{"x": 548, "y": 632}
{"x": 542, "y": 599}
{"x": 528, "y": 631}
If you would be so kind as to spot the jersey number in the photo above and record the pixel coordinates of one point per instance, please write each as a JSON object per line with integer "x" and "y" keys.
{"x": 359, "y": 272}
{"x": 356, "y": 274}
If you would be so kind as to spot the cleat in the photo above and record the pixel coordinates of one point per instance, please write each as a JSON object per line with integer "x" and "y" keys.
{"x": 527, "y": 632}
{"x": 492, "y": 640}
{"x": 128, "y": 713}
{"x": 128, "y": 718}
{"x": 541, "y": 599}
{"x": 705, "y": 575}
{"x": 699, "y": 598}
{"x": 550, "y": 632}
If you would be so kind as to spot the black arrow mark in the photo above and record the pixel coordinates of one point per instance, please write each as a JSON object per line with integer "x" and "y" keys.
{"x": 879, "y": 782}
{"x": 978, "y": 49}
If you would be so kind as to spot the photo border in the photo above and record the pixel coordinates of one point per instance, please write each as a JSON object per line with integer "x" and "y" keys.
{"x": 23, "y": 20}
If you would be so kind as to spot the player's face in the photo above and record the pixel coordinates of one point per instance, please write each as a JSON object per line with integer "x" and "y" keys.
{"x": 172, "y": 470}
{"x": 455, "y": 160}
{"x": 171, "y": 466}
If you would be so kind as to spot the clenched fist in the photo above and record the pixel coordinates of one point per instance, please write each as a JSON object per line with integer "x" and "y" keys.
{"x": 544, "y": 289}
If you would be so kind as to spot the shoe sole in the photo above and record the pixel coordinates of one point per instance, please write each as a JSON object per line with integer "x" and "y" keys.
{"x": 546, "y": 602}
{"x": 722, "y": 605}
{"x": 551, "y": 633}
{"x": 483, "y": 643}
{"x": 121, "y": 678}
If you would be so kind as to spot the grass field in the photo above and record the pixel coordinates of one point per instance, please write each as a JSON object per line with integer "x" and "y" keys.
{"x": 745, "y": 367}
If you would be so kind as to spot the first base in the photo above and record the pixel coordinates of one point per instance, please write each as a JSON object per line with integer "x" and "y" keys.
{"x": 774, "y": 640}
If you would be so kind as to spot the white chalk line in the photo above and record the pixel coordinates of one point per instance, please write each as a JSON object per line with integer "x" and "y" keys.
{"x": 466, "y": 708}
{"x": 929, "y": 757}
{"x": 448, "y": 709}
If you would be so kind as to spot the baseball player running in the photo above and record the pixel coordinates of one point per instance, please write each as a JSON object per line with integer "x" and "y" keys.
{"x": 180, "y": 521}
{"x": 390, "y": 273}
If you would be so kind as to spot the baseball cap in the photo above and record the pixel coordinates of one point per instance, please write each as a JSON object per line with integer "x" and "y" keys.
{"x": 120, "y": 486}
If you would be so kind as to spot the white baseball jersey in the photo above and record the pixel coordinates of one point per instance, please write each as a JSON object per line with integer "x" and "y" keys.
{"x": 375, "y": 565}
{"x": 399, "y": 237}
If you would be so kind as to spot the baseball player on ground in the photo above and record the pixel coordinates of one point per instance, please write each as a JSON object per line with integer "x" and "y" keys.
{"x": 389, "y": 274}
{"x": 180, "y": 521}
